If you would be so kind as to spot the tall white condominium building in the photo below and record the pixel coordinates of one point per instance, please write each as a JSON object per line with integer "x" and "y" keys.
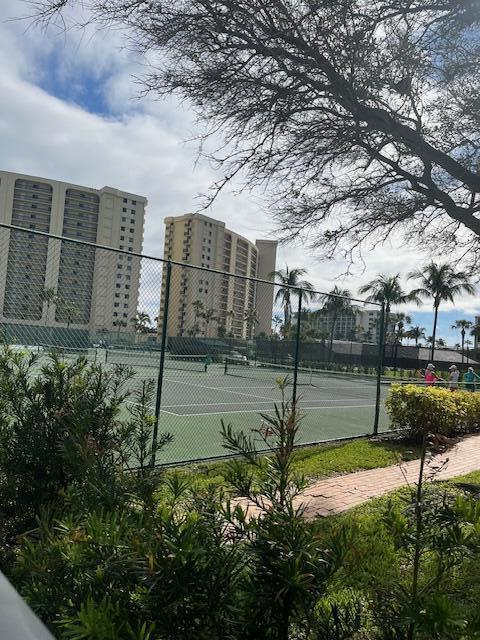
{"x": 202, "y": 241}
{"x": 358, "y": 324}
{"x": 97, "y": 289}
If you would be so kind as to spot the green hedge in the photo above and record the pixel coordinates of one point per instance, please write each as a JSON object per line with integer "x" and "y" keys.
{"x": 439, "y": 410}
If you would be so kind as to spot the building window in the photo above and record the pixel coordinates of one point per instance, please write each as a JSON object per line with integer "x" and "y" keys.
{"x": 132, "y": 221}
{"x": 124, "y": 219}
{"x": 125, "y": 200}
{"x": 132, "y": 211}
{"x": 122, "y": 228}
{"x": 132, "y": 230}
{"x": 125, "y": 315}
{"x": 122, "y": 237}
{"x": 115, "y": 314}
{"x": 116, "y": 304}
{"x": 124, "y": 210}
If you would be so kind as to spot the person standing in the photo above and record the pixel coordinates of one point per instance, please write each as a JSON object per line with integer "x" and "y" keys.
{"x": 470, "y": 378}
{"x": 453, "y": 377}
{"x": 207, "y": 361}
{"x": 430, "y": 376}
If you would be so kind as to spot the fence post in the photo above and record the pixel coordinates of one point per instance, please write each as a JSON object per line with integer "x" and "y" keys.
{"x": 297, "y": 347}
{"x": 381, "y": 348}
{"x": 158, "y": 400}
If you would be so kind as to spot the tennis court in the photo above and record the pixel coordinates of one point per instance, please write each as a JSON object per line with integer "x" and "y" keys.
{"x": 194, "y": 401}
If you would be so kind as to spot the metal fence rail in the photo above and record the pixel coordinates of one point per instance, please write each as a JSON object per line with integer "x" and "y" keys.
{"x": 198, "y": 334}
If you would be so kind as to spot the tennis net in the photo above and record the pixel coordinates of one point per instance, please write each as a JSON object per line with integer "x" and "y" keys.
{"x": 151, "y": 359}
{"x": 307, "y": 376}
{"x": 266, "y": 371}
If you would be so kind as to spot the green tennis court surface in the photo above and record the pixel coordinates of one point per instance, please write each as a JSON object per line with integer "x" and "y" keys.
{"x": 194, "y": 402}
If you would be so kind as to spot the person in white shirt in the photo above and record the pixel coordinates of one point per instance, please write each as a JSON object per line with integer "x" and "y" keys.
{"x": 453, "y": 377}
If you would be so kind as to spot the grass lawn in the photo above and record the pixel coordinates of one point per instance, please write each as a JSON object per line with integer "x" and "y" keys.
{"x": 320, "y": 461}
{"x": 372, "y": 561}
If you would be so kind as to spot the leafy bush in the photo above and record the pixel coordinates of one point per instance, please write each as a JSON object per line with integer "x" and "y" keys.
{"x": 185, "y": 563}
{"x": 62, "y": 439}
{"x": 419, "y": 409}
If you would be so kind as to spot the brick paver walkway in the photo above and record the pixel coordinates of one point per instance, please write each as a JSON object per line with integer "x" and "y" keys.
{"x": 340, "y": 493}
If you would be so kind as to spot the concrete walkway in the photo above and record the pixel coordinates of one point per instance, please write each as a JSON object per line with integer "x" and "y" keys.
{"x": 339, "y": 493}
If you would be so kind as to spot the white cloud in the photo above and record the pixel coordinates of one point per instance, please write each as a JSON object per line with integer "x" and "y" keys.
{"x": 139, "y": 147}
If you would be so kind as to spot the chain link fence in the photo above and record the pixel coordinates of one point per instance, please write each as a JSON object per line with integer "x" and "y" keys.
{"x": 212, "y": 350}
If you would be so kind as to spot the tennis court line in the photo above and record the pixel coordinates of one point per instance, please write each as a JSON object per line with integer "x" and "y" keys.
{"x": 152, "y": 407}
{"x": 198, "y": 404}
{"x": 226, "y": 413}
{"x": 202, "y": 386}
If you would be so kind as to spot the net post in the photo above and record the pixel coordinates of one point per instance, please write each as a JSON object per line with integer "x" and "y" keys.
{"x": 297, "y": 347}
{"x": 381, "y": 349}
{"x": 158, "y": 400}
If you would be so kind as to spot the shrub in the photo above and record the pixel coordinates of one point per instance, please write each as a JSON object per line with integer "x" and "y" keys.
{"x": 438, "y": 410}
{"x": 198, "y": 566}
{"x": 62, "y": 439}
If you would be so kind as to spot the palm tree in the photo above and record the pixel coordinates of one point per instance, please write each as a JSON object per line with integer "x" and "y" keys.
{"x": 337, "y": 302}
{"x": 387, "y": 290}
{"x": 71, "y": 313}
{"x": 198, "y": 309}
{"x": 441, "y": 283}
{"x": 440, "y": 343}
{"x": 251, "y": 318}
{"x": 49, "y": 297}
{"x": 468, "y": 343}
{"x": 209, "y": 316}
{"x": 290, "y": 283}
{"x": 463, "y": 325}
{"x": 475, "y": 332}
{"x": 277, "y": 323}
{"x": 141, "y": 322}
{"x": 416, "y": 333}
{"x": 457, "y": 346}
{"x": 399, "y": 321}
{"x": 119, "y": 324}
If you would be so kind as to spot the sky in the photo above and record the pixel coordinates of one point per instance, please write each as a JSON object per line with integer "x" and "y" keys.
{"x": 70, "y": 109}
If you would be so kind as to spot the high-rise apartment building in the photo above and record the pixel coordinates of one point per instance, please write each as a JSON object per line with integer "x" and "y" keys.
{"x": 359, "y": 324}
{"x": 98, "y": 289}
{"x": 202, "y": 241}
